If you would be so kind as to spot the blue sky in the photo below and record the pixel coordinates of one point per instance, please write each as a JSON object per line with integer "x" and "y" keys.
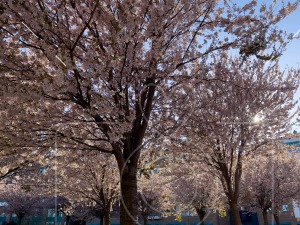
{"x": 291, "y": 24}
{"x": 291, "y": 56}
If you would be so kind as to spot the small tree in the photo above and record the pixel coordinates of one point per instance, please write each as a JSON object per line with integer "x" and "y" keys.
{"x": 91, "y": 178}
{"x": 201, "y": 192}
{"x": 21, "y": 203}
{"x": 271, "y": 181}
{"x": 61, "y": 204}
{"x": 97, "y": 211}
{"x": 150, "y": 195}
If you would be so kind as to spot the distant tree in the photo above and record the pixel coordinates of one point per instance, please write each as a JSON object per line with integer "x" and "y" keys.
{"x": 89, "y": 179}
{"x": 271, "y": 181}
{"x": 242, "y": 105}
{"x": 98, "y": 212}
{"x": 150, "y": 195}
{"x": 61, "y": 204}
{"x": 21, "y": 203}
{"x": 200, "y": 192}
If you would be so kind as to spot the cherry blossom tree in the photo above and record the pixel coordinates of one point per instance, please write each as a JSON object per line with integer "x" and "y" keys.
{"x": 201, "y": 194}
{"x": 21, "y": 203}
{"x": 272, "y": 181}
{"x": 92, "y": 178}
{"x": 86, "y": 212}
{"x": 150, "y": 194}
{"x": 97, "y": 211}
{"x": 191, "y": 186}
{"x": 89, "y": 73}
{"x": 62, "y": 204}
{"x": 241, "y": 107}
{"x": 83, "y": 179}
{"x": 15, "y": 159}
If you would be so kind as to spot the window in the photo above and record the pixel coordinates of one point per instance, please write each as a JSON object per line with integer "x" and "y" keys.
{"x": 285, "y": 208}
{"x": 51, "y": 212}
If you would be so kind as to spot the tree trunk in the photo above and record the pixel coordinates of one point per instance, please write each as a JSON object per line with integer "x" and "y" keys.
{"x": 265, "y": 216}
{"x": 67, "y": 220}
{"x": 129, "y": 206}
{"x": 20, "y": 220}
{"x": 276, "y": 218}
{"x": 107, "y": 217}
{"x": 145, "y": 219}
{"x": 101, "y": 220}
{"x": 201, "y": 213}
{"x": 235, "y": 213}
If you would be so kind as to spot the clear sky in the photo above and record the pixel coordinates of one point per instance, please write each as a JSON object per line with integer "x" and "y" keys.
{"x": 291, "y": 57}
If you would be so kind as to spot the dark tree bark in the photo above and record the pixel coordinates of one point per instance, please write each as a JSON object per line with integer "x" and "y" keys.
{"x": 201, "y": 213}
{"x": 68, "y": 220}
{"x": 145, "y": 219}
{"x": 101, "y": 220}
{"x": 129, "y": 206}
{"x": 107, "y": 217}
{"x": 265, "y": 215}
{"x": 232, "y": 191}
{"x": 231, "y": 177}
{"x": 235, "y": 213}
{"x": 276, "y": 218}
{"x": 20, "y": 218}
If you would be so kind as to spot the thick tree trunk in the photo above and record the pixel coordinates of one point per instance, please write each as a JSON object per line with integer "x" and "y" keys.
{"x": 235, "y": 213}
{"x": 129, "y": 203}
{"x": 265, "y": 216}
{"x": 107, "y": 217}
{"x": 276, "y": 218}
